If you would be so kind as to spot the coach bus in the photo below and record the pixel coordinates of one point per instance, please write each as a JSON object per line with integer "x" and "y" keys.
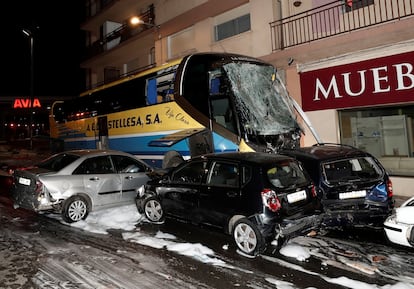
{"x": 204, "y": 102}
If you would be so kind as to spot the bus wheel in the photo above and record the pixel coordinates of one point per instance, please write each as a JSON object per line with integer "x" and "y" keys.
{"x": 172, "y": 159}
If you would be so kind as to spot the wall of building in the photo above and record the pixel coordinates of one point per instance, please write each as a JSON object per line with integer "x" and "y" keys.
{"x": 187, "y": 26}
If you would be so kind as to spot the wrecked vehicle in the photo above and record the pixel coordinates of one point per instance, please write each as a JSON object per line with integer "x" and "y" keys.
{"x": 354, "y": 188}
{"x": 77, "y": 182}
{"x": 399, "y": 227}
{"x": 255, "y": 197}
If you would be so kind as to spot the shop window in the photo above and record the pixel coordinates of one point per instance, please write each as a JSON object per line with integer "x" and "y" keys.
{"x": 387, "y": 133}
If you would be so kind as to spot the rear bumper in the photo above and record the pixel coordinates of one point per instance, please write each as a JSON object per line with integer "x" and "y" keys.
{"x": 354, "y": 218}
{"x": 355, "y": 213}
{"x": 25, "y": 200}
{"x": 278, "y": 231}
{"x": 292, "y": 228}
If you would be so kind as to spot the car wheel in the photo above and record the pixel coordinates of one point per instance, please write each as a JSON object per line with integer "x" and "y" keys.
{"x": 153, "y": 210}
{"x": 247, "y": 237}
{"x": 75, "y": 209}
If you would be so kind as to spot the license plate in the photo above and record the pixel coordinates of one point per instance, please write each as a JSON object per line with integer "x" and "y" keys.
{"x": 24, "y": 181}
{"x": 295, "y": 197}
{"x": 353, "y": 194}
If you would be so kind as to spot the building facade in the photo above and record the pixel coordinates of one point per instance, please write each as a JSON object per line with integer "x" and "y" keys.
{"x": 350, "y": 64}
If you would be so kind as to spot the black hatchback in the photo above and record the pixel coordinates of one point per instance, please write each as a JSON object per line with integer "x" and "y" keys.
{"x": 255, "y": 197}
{"x": 354, "y": 188}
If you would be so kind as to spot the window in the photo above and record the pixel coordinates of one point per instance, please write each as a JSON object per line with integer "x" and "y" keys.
{"x": 387, "y": 133}
{"x": 285, "y": 175}
{"x": 232, "y": 27}
{"x": 191, "y": 173}
{"x": 223, "y": 174}
{"x": 97, "y": 165}
{"x": 352, "y": 169}
{"x": 125, "y": 164}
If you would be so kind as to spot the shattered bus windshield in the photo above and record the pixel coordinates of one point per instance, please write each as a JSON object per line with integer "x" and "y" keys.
{"x": 260, "y": 103}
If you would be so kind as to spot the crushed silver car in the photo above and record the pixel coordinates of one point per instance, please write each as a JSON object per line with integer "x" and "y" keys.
{"x": 77, "y": 182}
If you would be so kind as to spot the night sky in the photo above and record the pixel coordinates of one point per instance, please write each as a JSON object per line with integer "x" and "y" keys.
{"x": 56, "y": 47}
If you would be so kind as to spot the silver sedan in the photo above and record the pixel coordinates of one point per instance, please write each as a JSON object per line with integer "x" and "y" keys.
{"x": 77, "y": 182}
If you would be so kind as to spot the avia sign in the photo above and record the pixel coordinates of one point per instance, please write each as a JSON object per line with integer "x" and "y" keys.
{"x": 26, "y": 103}
{"x": 378, "y": 81}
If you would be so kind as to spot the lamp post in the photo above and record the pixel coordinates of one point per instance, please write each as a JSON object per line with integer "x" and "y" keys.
{"x": 29, "y": 34}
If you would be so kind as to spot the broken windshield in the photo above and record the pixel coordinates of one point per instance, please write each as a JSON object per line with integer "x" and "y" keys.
{"x": 261, "y": 103}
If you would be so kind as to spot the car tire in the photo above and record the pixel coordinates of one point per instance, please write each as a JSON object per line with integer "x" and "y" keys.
{"x": 247, "y": 237}
{"x": 75, "y": 209}
{"x": 153, "y": 210}
{"x": 172, "y": 159}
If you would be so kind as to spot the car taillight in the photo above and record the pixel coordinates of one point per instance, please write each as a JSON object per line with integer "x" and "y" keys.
{"x": 39, "y": 187}
{"x": 390, "y": 191}
{"x": 270, "y": 200}
{"x": 313, "y": 191}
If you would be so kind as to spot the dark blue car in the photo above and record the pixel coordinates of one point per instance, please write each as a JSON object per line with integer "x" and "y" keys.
{"x": 354, "y": 188}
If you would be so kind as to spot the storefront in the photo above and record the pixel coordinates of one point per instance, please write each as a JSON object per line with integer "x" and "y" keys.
{"x": 366, "y": 100}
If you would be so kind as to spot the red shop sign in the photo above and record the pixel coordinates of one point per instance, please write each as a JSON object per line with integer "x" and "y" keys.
{"x": 382, "y": 80}
{"x": 26, "y": 103}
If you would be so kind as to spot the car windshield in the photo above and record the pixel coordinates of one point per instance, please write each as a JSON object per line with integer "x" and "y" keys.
{"x": 351, "y": 169}
{"x": 285, "y": 175}
{"x": 261, "y": 103}
{"x": 57, "y": 162}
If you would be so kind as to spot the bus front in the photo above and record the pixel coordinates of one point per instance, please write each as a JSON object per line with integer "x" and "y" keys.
{"x": 241, "y": 100}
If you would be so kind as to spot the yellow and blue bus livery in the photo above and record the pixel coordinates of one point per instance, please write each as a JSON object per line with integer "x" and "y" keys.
{"x": 205, "y": 102}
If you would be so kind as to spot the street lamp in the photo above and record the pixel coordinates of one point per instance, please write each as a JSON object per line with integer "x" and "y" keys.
{"x": 29, "y": 34}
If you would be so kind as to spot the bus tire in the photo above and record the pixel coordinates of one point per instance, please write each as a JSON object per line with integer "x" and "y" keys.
{"x": 172, "y": 159}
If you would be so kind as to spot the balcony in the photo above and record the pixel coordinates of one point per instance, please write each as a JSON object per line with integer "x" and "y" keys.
{"x": 335, "y": 18}
{"x": 125, "y": 32}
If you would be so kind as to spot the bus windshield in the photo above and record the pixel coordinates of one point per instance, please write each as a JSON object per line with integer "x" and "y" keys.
{"x": 261, "y": 104}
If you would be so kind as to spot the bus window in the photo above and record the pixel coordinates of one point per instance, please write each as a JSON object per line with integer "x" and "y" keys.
{"x": 196, "y": 87}
{"x": 152, "y": 91}
{"x": 161, "y": 88}
{"x": 222, "y": 113}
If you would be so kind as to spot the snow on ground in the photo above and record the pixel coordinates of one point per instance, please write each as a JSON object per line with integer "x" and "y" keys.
{"x": 300, "y": 249}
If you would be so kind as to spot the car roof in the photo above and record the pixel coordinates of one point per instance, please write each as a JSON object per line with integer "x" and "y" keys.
{"x": 324, "y": 152}
{"x": 85, "y": 152}
{"x": 257, "y": 158}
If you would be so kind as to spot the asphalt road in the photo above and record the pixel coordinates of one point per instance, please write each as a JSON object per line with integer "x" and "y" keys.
{"x": 37, "y": 251}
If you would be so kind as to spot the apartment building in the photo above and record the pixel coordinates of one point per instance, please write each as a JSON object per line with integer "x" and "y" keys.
{"x": 349, "y": 64}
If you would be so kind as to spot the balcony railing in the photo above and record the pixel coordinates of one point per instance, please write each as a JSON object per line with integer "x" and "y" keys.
{"x": 336, "y": 18}
{"x": 121, "y": 34}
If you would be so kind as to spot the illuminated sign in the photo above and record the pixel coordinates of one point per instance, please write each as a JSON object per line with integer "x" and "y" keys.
{"x": 385, "y": 80}
{"x": 26, "y": 103}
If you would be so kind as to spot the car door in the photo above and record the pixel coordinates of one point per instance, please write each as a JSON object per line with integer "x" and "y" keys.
{"x": 132, "y": 173}
{"x": 101, "y": 183}
{"x": 180, "y": 194}
{"x": 220, "y": 196}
